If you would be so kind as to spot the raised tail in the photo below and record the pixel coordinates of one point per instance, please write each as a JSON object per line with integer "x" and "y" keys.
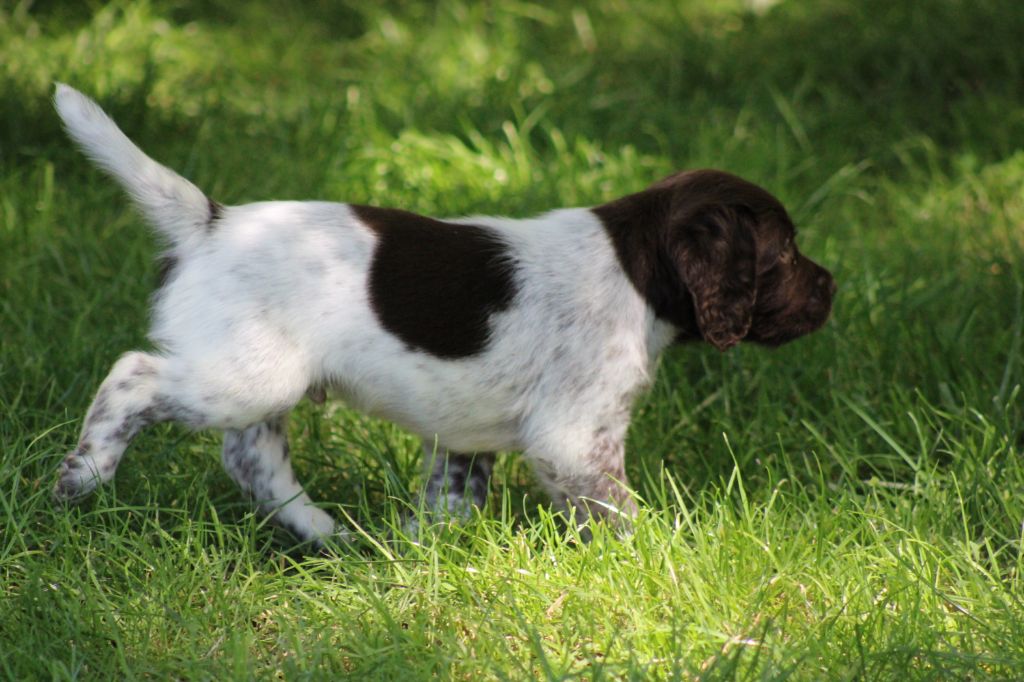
{"x": 178, "y": 209}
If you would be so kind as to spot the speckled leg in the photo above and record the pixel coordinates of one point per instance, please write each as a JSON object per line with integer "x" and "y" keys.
{"x": 257, "y": 459}
{"x": 127, "y": 401}
{"x": 457, "y": 482}
{"x": 594, "y": 485}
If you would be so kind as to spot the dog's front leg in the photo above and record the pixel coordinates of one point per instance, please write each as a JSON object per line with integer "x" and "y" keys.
{"x": 455, "y": 484}
{"x": 593, "y": 482}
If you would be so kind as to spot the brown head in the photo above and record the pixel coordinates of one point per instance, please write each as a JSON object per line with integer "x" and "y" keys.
{"x": 716, "y": 256}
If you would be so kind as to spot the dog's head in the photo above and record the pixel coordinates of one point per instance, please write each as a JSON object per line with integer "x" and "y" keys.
{"x": 716, "y": 256}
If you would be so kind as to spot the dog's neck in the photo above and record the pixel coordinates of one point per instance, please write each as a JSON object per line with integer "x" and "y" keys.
{"x": 636, "y": 225}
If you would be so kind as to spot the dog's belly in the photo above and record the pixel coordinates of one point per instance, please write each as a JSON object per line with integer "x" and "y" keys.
{"x": 464, "y": 416}
{"x": 479, "y": 435}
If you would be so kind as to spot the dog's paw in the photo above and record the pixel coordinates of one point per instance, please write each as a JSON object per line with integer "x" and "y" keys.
{"x": 78, "y": 476}
{"x": 311, "y": 526}
{"x": 331, "y": 545}
{"x": 420, "y": 524}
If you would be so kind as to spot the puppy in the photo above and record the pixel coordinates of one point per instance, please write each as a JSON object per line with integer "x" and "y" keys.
{"x": 478, "y": 334}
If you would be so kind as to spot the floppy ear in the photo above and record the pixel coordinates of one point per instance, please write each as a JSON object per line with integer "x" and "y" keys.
{"x": 716, "y": 258}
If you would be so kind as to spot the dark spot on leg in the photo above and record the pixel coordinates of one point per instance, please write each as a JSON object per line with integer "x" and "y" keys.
{"x": 100, "y": 409}
{"x": 143, "y": 368}
{"x": 465, "y": 476}
{"x": 158, "y": 410}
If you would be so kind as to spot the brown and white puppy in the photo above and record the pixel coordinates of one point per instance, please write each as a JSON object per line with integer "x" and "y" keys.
{"x": 478, "y": 334}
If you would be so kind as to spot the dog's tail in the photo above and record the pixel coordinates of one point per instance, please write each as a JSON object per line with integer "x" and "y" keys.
{"x": 177, "y": 208}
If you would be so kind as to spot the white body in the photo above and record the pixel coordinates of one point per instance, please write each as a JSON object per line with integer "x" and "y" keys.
{"x": 276, "y": 302}
{"x": 271, "y": 301}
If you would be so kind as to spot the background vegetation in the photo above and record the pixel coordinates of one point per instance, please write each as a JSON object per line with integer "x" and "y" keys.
{"x": 849, "y": 506}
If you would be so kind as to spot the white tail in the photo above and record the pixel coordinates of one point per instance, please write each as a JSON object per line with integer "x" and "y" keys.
{"x": 176, "y": 207}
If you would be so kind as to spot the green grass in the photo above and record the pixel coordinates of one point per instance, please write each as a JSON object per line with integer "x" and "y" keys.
{"x": 847, "y": 507}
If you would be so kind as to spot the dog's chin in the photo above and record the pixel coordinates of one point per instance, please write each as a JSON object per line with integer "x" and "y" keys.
{"x": 790, "y": 331}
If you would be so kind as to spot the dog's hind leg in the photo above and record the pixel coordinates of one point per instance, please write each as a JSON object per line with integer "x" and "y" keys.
{"x": 128, "y": 400}
{"x": 457, "y": 482}
{"x": 257, "y": 459}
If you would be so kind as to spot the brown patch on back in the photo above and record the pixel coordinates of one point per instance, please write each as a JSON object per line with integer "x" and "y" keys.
{"x": 435, "y": 285}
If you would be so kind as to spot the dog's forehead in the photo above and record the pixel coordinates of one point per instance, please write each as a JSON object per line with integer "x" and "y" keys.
{"x": 715, "y": 186}
{"x": 776, "y": 226}
{"x": 773, "y": 228}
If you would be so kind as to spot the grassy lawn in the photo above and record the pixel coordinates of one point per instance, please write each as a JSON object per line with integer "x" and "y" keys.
{"x": 847, "y": 507}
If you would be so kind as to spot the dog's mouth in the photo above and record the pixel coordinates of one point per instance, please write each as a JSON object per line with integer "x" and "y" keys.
{"x": 788, "y": 331}
{"x": 792, "y": 323}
